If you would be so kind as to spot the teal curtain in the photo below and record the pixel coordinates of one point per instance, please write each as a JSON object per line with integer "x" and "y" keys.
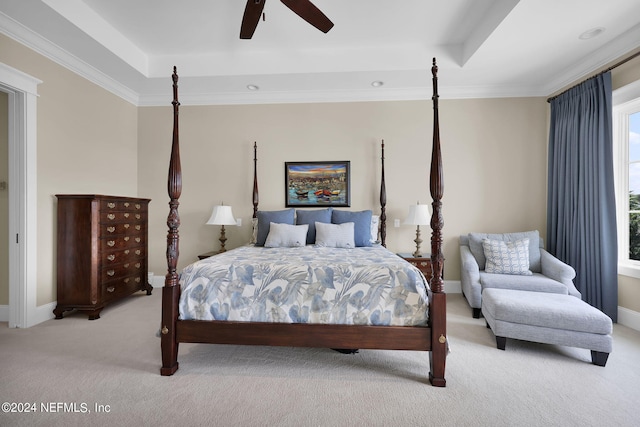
{"x": 581, "y": 216}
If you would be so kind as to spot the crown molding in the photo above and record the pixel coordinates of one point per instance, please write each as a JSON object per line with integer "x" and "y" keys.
{"x": 605, "y": 55}
{"x": 49, "y": 50}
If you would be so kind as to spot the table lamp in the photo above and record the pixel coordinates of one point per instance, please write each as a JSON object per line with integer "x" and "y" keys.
{"x": 418, "y": 215}
{"x": 222, "y": 215}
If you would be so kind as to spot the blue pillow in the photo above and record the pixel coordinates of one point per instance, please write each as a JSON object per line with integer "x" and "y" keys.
{"x": 311, "y": 217}
{"x": 361, "y": 221}
{"x": 265, "y": 217}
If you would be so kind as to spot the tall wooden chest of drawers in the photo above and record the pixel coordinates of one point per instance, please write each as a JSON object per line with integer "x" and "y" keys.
{"x": 102, "y": 251}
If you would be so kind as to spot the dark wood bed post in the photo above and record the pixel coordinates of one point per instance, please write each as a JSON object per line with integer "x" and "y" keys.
{"x": 171, "y": 289}
{"x": 256, "y": 198}
{"x": 383, "y": 204}
{"x": 437, "y": 317}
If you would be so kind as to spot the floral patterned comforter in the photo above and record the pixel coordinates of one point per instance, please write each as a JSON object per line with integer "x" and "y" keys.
{"x": 363, "y": 286}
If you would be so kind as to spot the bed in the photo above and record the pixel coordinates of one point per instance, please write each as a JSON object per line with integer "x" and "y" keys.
{"x": 274, "y": 310}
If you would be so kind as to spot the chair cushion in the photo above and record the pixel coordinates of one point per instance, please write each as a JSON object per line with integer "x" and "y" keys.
{"x": 536, "y": 282}
{"x": 475, "y": 245}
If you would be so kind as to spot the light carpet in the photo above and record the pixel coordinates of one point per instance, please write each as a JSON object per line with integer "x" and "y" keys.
{"x": 106, "y": 373}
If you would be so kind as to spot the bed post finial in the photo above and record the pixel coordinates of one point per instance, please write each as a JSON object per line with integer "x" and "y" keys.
{"x": 171, "y": 289}
{"x": 383, "y": 204}
{"x": 437, "y": 188}
{"x": 256, "y": 198}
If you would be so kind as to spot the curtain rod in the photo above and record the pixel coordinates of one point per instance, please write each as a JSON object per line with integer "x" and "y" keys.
{"x": 601, "y": 72}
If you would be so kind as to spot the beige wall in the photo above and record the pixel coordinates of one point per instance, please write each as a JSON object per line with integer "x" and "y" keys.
{"x": 90, "y": 141}
{"x": 4, "y": 198}
{"x": 494, "y": 153}
{"x": 87, "y": 143}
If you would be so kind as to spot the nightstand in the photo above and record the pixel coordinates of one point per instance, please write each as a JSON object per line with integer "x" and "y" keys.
{"x": 423, "y": 263}
{"x": 208, "y": 254}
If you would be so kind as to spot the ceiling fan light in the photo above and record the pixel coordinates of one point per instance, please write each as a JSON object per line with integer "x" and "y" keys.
{"x": 253, "y": 87}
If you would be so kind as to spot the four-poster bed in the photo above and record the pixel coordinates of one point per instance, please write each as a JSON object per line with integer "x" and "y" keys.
{"x": 427, "y": 336}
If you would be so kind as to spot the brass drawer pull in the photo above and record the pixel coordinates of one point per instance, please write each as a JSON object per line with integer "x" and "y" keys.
{"x": 111, "y": 229}
{"x": 111, "y": 205}
{"x": 111, "y": 243}
{"x": 138, "y": 239}
{"x": 111, "y": 257}
{"x": 126, "y": 265}
{"x": 126, "y": 204}
{"x": 138, "y": 216}
{"x": 111, "y": 216}
{"x": 126, "y": 252}
{"x": 126, "y": 280}
{"x": 138, "y": 227}
{"x": 137, "y": 264}
{"x": 137, "y": 205}
{"x": 126, "y": 226}
{"x": 126, "y": 238}
{"x": 111, "y": 289}
{"x": 138, "y": 251}
{"x": 137, "y": 280}
{"x": 111, "y": 272}
{"x": 126, "y": 215}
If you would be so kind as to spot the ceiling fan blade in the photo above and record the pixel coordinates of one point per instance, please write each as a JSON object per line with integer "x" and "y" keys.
{"x": 251, "y": 17}
{"x": 310, "y": 13}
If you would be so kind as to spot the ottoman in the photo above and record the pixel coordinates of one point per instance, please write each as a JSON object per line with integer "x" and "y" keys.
{"x": 547, "y": 318}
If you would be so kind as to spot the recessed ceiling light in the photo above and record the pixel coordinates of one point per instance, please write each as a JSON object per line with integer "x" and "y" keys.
{"x": 377, "y": 83}
{"x": 253, "y": 87}
{"x": 589, "y": 34}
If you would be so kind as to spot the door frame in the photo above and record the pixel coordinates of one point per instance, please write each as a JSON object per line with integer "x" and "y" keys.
{"x": 23, "y": 219}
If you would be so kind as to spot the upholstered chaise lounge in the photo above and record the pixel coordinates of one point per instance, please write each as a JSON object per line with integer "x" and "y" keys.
{"x": 544, "y": 272}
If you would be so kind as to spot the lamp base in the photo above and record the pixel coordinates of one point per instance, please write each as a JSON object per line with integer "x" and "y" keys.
{"x": 418, "y": 240}
{"x": 222, "y": 239}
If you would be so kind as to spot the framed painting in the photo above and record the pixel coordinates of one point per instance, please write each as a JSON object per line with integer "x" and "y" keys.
{"x": 313, "y": 184}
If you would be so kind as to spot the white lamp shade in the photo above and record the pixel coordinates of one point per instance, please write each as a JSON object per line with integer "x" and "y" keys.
{"x": 418, "y": 215}
{"x": 222, "y": 215}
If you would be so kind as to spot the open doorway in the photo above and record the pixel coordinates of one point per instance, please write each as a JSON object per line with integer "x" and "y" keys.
{"x": 4, "y": 203}
{"x": 20, "y": 90}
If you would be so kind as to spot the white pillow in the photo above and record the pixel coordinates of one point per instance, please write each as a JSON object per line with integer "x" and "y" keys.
{"x": 375, "y": 224}
{"x": 286, "y": 235}
{"x": 335, "y": 235}
{"x": 507, "y": 257}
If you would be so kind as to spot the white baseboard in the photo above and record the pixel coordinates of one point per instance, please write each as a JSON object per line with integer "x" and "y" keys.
{"x": 4, "y": 313}
{"x": 452, "y": 287}
{"x": 157, "y": 281}
{"x": 43, "y": 313}
{"x": 629, "y": 318}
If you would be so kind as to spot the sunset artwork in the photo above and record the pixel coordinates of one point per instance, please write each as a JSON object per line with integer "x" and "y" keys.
{"x": 311, "y": 184}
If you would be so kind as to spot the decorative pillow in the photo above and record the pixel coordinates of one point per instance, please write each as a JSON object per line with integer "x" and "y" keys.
{"x": 311, "y": 217}
{"x": 507, "y": 257}
{"x": 375, "y": 224}
{"x": 335, "y": 235}
{"x": 254, "y": 231}
{"x": 286, "y": 235}
{"x": 475, "y": 245}
{"x": 361, "y": 224}
{"x": 265, "y": 218}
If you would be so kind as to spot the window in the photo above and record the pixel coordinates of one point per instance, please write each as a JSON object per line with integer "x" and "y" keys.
{"x": 626, "y": 138}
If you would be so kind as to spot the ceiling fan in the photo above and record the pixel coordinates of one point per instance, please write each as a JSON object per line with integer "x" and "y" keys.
{"x": 303, "y": 8}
